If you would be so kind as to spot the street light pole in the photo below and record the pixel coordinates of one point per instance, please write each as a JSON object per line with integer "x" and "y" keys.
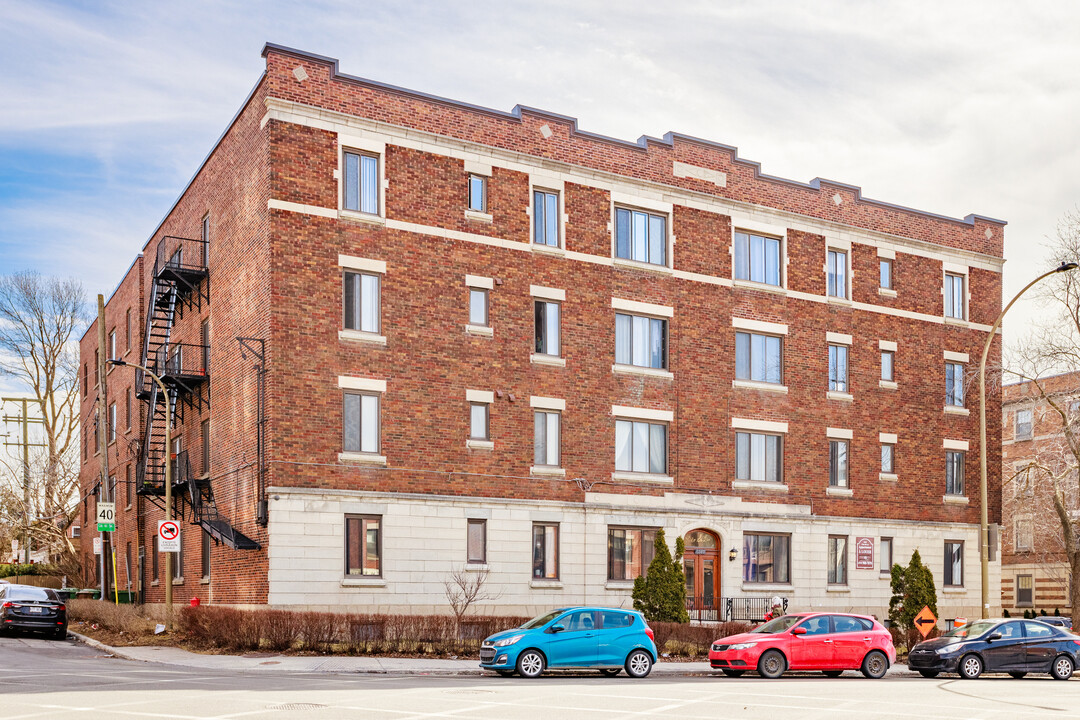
{"x": 984, "y": 524}
{"x": 168, "y": 484}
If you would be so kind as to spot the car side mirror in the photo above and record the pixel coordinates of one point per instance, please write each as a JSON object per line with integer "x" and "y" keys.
{"x": 556, "y": 628}
{"x": 799, "y": 631}
{"x": 993, "y": 637}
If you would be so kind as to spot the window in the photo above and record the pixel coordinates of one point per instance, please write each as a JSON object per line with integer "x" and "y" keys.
{"x": 546, "y": 438}
{"x": 546, "y": 218}
{"x": 112, "y": 346}
{"x": 154, "y": 559}
{"x": 640, "y": 447}
{"x": 1025, "y": 591}
{"x": 478, "y": 193}
{"x": 476, "y": 541}
{"x": 954, "y": 296}
{"x": 361, "y": 302}
{"x": 85, "y": 381}
{"x": 954, "y": 384}
{"x": 127, "y": 486}
{"x": 954, "y": 473}
{"x": 954, "y": 563}
{"x": 838, "y": 560}
{"x": 206, "y": 239}
{"x": 837, "y": 274}
{"x": 76, "y": 531}
{"x": 545, "y": 552}
{"x": 757, "y": 258}
{"x": 478, "y": 306}
{"x": 204, "y": 434}
{"x": 97, "y": 368}
{"x": 127, "y": 406}
{"x": 204, "y": 338}
{"x": 766, "y": 558}
{"x": 886, "y": 555}
{"x": 838, "y": 463}
{"x": 1024, "y": 535}
{"x": 758, "y": 457}
{"x": 361, "y": 423}
{"x": 888, "y": 458}
{"x": 1023, "y": 484}
{"x": 127, "y": 332}
{"x": 887, "y": 365}
{"x": 817, "y": 625}
{"x": 640, "y": 236}
{"x": 363, "y": 545}
{"x": 630, "y": 550}
{"x": 1023, "y": 424}
{"x": 885, "y": 273}
{"x": 640, "y": 341}
{"x": 547, "y": 327}
{"x": 205, "y": 564}
{"x": 478, "y": 421}
{"x": 178, "y": 563}
{"x": 112, "y": 422}
{"x": 758, "y": 358}
{"x": 361, "y": 183}
{"x": 838, "y": 368}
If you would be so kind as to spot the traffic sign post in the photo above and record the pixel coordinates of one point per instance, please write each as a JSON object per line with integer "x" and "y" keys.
{"x": 168, "y": 536}
{"x": 106, "y": 517}
{"x": 925, "y": 621}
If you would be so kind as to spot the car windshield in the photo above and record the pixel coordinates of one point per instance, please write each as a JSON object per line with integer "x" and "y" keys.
{"x": 780, "y": 624}
{"x": 974, "y": 630}
{"x": 27, "y": 593}
{"x": 542, "y": 620}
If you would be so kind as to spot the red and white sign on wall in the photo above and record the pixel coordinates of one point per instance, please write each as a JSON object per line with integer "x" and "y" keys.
{"x": 864, "y": 553}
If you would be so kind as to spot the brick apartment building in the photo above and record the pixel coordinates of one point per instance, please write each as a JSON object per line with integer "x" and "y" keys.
{"x": 1034, "y": 569}
{"x": 494, "y": 341}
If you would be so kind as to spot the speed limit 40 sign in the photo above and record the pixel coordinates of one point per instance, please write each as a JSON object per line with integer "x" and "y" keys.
{"x": 106, "y": 517}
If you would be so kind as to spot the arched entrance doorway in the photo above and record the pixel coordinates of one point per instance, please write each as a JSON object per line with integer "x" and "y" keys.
{"x": 701, "y": 565}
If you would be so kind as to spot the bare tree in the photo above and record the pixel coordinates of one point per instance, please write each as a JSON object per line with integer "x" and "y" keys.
{"x": 1047, "y": 485}
{"x": 464, "y": 588}
{"x": 40, "y": 322}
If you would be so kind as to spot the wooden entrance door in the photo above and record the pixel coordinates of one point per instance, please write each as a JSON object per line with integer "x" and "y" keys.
{"x": 701, "y": 565}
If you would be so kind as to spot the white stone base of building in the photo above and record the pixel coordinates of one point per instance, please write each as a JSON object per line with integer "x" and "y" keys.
{"x": 424, "y": 540}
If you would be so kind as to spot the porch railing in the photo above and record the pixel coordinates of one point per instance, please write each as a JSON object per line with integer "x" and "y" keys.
{"x": 725, "y": 609}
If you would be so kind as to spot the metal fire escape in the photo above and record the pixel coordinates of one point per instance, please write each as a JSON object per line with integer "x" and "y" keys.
{"x": 180, "y": 282}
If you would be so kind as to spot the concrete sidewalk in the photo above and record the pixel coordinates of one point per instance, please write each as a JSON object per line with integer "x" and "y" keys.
{"x": 270, "y": 663}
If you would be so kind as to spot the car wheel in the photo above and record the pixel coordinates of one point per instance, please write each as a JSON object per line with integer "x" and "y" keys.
{"x": 970, "y": 667}
{"x": 506, "y": 673}
{"x": 610, "y": 672}
{"x": 771, "y": 664}
{"x": 875, "y": 665}
{"x": 530, "y": 664}
{"x": 732, "y": 673}
{"x": 638, "y": 664}
{"x": 1063, "y": 668}
{"x": 1018, "y": 675}
{"x": 929, "y": 673}
{"x": 832, "y": 673}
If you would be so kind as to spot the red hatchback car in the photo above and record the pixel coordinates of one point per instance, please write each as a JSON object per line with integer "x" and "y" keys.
{"x": 829, "y": 642}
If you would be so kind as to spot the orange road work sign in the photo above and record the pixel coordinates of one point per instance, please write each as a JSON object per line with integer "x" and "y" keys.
{"x": 925, "y": 621}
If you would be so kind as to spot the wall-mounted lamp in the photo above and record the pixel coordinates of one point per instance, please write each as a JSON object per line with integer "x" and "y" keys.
{"x": 732, "y": 554}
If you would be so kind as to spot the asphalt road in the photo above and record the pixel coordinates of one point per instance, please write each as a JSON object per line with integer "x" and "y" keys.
{"x": 46, "y": 679}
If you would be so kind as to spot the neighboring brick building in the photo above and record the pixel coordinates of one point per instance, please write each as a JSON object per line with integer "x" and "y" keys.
{"x": 1034, "y": 569}
{"x": 495, "y": 341}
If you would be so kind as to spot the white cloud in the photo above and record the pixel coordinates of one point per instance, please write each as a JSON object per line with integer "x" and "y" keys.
{"x": 952, "y": 108}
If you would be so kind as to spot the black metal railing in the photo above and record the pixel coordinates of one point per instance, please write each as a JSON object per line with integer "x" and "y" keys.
{"x": 184, "y": 360}
{"x": 724, "y": 609}
{"x": 181, "y": 254}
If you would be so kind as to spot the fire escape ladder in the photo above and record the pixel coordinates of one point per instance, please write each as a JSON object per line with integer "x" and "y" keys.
{"x": 204, "y": 512}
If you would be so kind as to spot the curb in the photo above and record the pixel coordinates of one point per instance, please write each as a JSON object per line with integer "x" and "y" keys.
{"x": 91, "y": 642}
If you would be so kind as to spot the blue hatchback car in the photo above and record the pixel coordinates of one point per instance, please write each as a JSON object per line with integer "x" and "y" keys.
{"x": 606, "y": 639}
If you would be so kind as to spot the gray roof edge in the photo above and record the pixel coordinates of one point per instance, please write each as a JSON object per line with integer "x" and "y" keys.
{"x": 641, "y": 144}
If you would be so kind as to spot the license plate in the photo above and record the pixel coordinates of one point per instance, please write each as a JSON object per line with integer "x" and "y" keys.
{"x": 34, "y": 610}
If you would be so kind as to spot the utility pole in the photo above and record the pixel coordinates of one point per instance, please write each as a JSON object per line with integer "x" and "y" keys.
{"x": 25, "y": 421}
{"x": 103, "y": 437}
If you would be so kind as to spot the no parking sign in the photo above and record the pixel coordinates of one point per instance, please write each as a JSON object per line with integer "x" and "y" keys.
{"x": 168, "y": 532}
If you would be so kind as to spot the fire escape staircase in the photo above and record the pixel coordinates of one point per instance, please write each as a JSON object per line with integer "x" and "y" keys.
{"x": 180, "y": 282}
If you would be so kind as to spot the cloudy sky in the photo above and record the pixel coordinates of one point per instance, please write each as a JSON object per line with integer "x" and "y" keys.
{"x": 107, "y": 108}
